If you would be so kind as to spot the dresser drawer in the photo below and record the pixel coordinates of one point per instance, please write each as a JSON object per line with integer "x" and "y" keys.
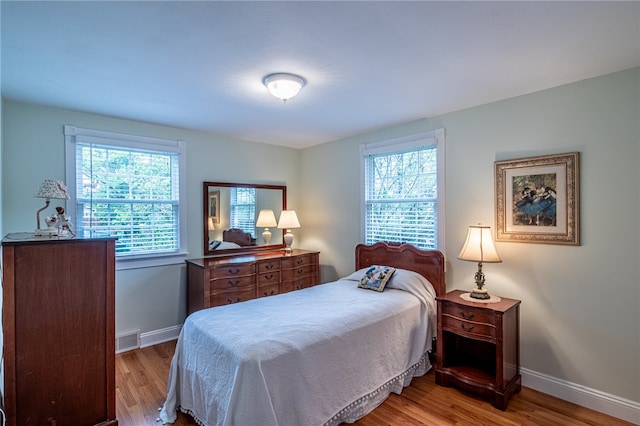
{"x": 298, "y": 261}
{"x": 468, "y": 313}
{"x": 229, "y": 297}
{"x": 230, "y": 283}
{"x": 269, "y": 278}
{"x": 233, "y": 270}
{"x": 268, "y": 290}
{"x": 299, "y": 272}
{"x": 268, "y": 266}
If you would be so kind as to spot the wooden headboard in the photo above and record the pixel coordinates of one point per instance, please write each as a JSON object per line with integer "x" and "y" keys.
{"x": 428, "y": 263}
{"x": 238, "y": 236}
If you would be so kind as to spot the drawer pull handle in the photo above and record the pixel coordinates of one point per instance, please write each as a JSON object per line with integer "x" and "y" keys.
{"x": 269, "y": 294}
{"x": 466, "y": 316}
{"x": 233, "y": 271}
{"x": 299, "y": 261}
{"x": 229, "y": 301}
{"x": 234, "y": 283}
{"x": 468, "y": 328}
{"x": 269, "y": 276}
{"x": 299, "y": 271}
{"x": 269, "y": 266}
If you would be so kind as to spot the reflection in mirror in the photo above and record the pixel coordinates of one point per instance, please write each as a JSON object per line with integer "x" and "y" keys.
{"x": 241, "y": 217}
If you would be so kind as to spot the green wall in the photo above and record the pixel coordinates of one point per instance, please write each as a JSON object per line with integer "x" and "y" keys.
{"x": 147, "y": 299}
{"x": 580, "y": 313}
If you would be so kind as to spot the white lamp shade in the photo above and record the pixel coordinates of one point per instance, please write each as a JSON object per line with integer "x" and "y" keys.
{"x": 266, "y": 219}
{"x": 284, "y": 86}
{"x": 288, "y": 220}
{"x": 53, "y": 189}
{"x": 479, "y": 246}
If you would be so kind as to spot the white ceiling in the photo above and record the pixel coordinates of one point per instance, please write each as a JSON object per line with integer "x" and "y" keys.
{"x": 369, "y": 65}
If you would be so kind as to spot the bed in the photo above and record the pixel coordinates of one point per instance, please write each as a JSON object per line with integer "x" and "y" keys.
{"x": 318, "y": 356}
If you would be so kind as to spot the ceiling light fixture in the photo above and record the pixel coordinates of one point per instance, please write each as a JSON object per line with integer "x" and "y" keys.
{"x": 284, "y": 86}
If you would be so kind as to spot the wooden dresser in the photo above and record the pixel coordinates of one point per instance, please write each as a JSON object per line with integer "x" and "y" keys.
{"x": 58, "y": 319}
{"x": 220, "y": 280}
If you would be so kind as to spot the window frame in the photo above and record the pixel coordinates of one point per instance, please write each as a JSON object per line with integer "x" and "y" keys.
{"x": 234, "y": 206}
{"x": 131, "y": 142}
{"x": 432, "y": 138}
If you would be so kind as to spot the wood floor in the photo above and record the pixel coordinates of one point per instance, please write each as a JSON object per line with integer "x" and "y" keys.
{"x": 141, "y": 388}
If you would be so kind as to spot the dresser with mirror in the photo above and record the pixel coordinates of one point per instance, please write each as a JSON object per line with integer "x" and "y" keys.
{"x": 241, "y": 262}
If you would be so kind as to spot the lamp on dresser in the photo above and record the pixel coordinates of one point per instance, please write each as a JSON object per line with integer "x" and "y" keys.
{"x": 50, "y": 189}
{"x": 479, "y": 247}
{"x": 266, "y": 219}
{"x": 288, "y": 221}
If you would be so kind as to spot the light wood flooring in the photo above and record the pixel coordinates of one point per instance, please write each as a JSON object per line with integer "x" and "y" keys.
{"x": 141, "y": 388}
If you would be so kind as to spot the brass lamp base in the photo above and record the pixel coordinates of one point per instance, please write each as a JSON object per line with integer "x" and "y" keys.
{"x": 480, "y": 293}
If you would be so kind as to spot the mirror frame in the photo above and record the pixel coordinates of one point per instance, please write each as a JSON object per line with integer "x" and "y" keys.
{"x": 205, "y": 215}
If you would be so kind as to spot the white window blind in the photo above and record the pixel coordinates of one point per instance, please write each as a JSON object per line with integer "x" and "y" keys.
{"x": 243, "y": 209}
{"x": 402, "y": 190}
{"x": 128, "y": 187}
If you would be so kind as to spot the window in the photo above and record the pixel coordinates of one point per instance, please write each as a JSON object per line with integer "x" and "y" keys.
{"x": 129, "y": 187}
{"x": 404, "y": 190}
{"x": 243, "y": 209}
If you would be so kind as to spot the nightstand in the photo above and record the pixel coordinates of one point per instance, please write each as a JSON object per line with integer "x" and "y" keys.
{"x": 478, "y": 347}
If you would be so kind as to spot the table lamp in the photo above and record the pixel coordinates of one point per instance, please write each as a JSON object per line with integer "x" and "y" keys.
{"x": 50, "y": 189}
{"x": 479, "y": 248}
{"x": 266, "y": 218}
{"x": 288, "y": 221}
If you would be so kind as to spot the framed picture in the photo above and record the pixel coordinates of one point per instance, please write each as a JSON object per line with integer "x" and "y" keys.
{"x": 214, "y": 206}
{"x": 537, "y": 199}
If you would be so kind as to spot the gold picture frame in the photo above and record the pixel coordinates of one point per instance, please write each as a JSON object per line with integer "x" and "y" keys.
{"x": 214, "y": 206}
{"x": 537, "y": 199}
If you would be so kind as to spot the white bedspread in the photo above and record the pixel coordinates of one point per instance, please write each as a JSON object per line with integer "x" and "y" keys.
{"x": 321, "y": 355}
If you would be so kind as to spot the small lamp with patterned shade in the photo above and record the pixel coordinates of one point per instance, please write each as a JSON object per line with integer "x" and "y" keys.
{"x": 50, "y": 189}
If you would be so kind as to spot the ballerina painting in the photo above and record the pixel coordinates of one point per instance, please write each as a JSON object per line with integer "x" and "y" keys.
{"x": 537, "y": 199}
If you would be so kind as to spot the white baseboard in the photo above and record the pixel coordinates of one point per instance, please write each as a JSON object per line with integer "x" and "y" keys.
{"x": 581, "y": 395}
{"x": 155, "y": 337}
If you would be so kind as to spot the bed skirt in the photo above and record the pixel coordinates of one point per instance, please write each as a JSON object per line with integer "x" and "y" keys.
{"x": 363, "y": 406}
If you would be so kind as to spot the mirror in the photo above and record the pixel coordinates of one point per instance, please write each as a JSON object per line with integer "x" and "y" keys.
{"x": 231, "y": 213}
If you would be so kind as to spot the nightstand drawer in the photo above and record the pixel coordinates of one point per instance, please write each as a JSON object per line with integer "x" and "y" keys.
{"x": 467, "y": 313}
{"x": 459, "y": 326}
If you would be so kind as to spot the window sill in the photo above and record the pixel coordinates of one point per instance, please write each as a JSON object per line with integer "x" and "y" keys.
{"x": 138, "y": 262}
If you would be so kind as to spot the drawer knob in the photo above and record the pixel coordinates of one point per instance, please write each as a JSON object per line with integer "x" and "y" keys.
{"x": 466, "y": 328}
{"x": 466, "y": 316}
